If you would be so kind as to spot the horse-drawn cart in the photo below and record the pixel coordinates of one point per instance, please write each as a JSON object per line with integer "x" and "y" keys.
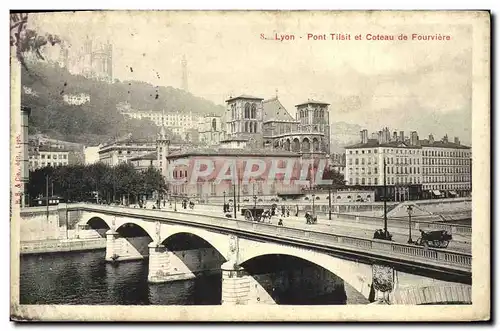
{"x": 252, "y": 214}
{"x": 311, "y": 218}
{"x": 437, "y": 239}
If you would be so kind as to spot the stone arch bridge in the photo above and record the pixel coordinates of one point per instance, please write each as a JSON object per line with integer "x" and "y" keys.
{"x": 264, "y": 263}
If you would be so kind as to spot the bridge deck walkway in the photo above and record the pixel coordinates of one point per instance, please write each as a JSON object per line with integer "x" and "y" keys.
{"x": 335, "y": 226}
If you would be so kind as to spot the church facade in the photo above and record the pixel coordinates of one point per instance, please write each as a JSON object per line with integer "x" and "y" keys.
{"x": 267, "y": 123}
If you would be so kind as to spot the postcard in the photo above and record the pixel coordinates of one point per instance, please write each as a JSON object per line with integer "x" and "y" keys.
{"x": 250, "y": 166}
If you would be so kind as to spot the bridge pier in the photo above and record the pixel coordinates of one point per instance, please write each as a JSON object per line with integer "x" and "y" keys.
{"x": 159, "y": 264}
{"x": 125, "y": 249}
{"x": 240, "y": 288}
{"x": 112, "y": 246}
{"x": 168, "y": 266}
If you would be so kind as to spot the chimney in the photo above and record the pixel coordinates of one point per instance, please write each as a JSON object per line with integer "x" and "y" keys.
{"x": 380, "y": 138}
{"x": 414, "y": 138}
{"x": 362, "y": 135}
{"x": 402, "y": 136}
{"x": 457, "y": 141}
{"x": 445, "y": 139}
{"x": 431, "y": 139}
{"x": 365, "y": 136}
{"x": 395, "y": 136}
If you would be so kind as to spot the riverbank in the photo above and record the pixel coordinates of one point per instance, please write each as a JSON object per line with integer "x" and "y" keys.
{"x": 64, "y": 245}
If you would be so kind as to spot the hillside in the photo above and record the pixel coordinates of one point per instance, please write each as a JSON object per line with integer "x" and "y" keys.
{"x": 343, "y": 134}
{"x": 98, "y": 120}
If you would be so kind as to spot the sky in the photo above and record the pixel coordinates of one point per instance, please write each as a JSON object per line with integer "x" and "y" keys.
{"x": 405, "y": 85}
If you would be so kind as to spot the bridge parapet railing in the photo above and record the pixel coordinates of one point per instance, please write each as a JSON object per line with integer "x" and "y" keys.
{"x": 403, "y": 223}
{"x": 457, "y": 259}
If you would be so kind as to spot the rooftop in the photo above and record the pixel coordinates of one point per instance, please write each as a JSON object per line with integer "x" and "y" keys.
{"x": 441, "y": 144}
{"x": 234, "y": 139}
{"x": 374, "y": 143}
{"x": 148, "y": 156}
{"x": 231, "y": 152}
{"x": 244, "y": 96}
{"x": 311, "y": 101}
{"x": 275, "y": 111}
{"x": 44, "y": 148}
{"x": 421, "y": 143}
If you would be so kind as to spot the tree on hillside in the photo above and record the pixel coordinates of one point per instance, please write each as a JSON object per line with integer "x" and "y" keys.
{"x": 26, "y": 40}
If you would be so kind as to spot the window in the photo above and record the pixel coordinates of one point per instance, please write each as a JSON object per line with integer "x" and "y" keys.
{"x": 247, "y": 110}
{"x": 254, "y": 111}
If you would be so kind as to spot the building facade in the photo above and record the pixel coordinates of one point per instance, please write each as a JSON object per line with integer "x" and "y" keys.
{"x": 244, "y": 119}
{"x": 308, "y": 133}
{"x": 44, "y": 156}
{"x": 121, "y": 151}
{"x": 179, "y": 123}
{"x": 267, "y": 123}
{"x": 210, "y": 130}
{"x": 143, "y": 162}
{"x": 414, "y": 169}
{"x": 210, "y": 187}
{"x": 447, "y": 168}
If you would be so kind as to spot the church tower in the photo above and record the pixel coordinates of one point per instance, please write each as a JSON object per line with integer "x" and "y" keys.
{"x": 314, "y": 117}
{"x": 162, "y": 148}
{"x": 245, "y": 114}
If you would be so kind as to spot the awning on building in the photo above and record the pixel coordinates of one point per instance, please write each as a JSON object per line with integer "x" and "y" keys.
{"x": 436, "y": 192}
{"x": 453, "y": 193}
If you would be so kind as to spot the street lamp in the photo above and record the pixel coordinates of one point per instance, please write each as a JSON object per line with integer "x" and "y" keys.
{"x": 225, "y": 210}
{"x": 410, "y": 211}
{"x": 175, "y": 202}
{"x": 330, "y": 203}
{"x": 313, "y": 195}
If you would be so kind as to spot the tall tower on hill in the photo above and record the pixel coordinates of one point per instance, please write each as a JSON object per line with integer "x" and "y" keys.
{"x": 184, "y": 73}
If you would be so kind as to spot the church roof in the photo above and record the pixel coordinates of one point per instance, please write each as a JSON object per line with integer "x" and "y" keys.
{"x": 275, "y": 111}
{"x": 231, "y": 152}
{"x": 244, "y": 96}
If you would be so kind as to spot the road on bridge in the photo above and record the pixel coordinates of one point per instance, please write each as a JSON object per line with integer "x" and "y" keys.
{"x": 335, "y": 226}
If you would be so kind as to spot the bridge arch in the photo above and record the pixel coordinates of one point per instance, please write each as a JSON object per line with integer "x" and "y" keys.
{"x": 218, "y": 241}
{"x": 115, "y": 223}
{"x": 357, "y": 276}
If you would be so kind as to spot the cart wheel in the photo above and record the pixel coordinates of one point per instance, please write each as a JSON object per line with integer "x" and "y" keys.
{"x": 248, "y": 215}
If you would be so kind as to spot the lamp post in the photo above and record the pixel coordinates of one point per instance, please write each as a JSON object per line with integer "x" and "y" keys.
{"x": 234, "y": 199}
{"x": 175, "y": 202}
{"x": 224, "y": 206}
{"x": 313, "y": 195}
{"x": 330, "y": 203}
{"x": 410, "y": 211}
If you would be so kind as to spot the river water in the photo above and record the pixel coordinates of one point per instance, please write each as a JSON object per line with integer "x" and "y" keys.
{"x": 85, "y": 278}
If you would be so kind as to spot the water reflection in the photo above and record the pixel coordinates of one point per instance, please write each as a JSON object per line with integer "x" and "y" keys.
{"x": 85, "y": 278}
